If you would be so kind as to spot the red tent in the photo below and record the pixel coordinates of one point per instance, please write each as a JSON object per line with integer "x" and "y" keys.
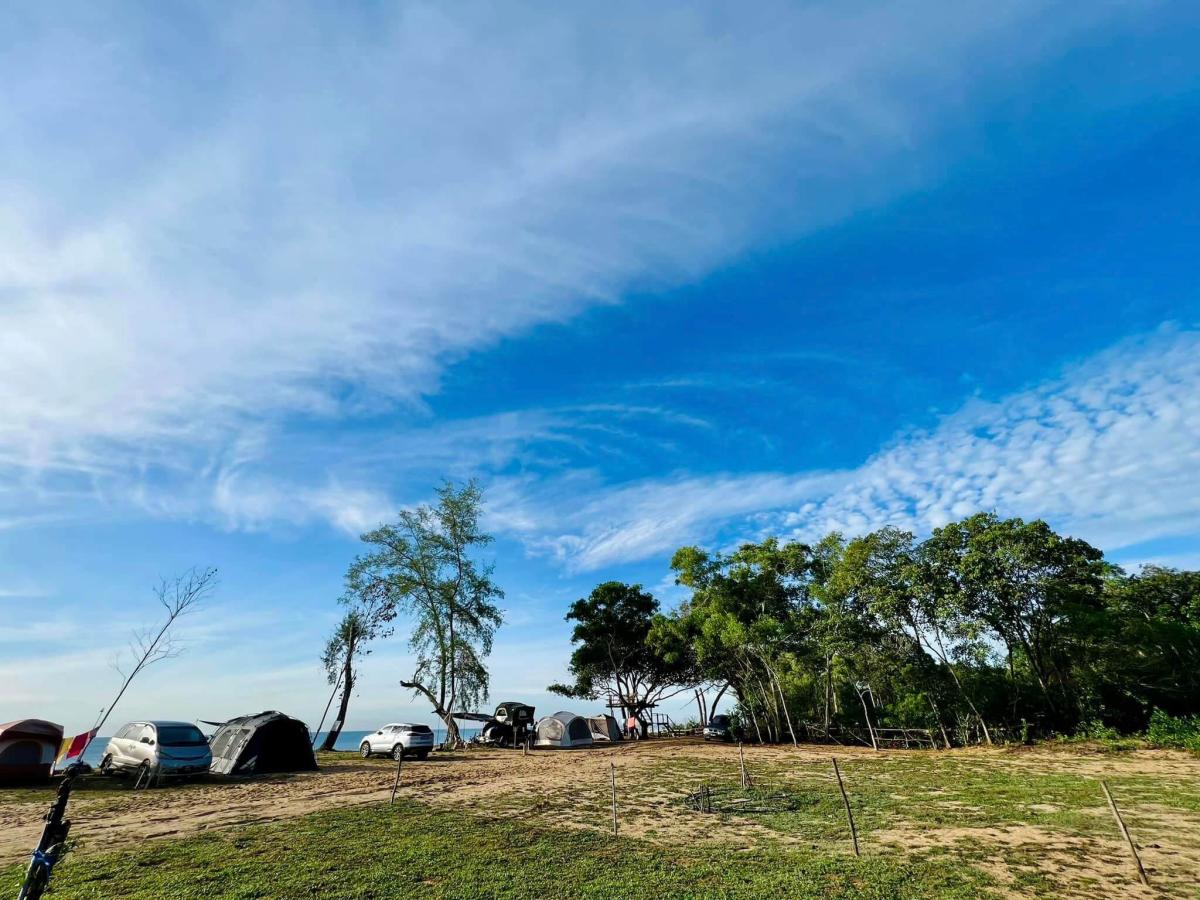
{"x": 27, "y": 750}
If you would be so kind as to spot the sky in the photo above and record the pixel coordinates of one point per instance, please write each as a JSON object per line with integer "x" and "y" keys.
{"x": 655, "y": 275}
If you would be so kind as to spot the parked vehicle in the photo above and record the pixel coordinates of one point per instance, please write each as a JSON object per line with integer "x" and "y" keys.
{"x": 721, "y": 728}
{"x": 175, "y": 748}
{"x": 398, "y": 740}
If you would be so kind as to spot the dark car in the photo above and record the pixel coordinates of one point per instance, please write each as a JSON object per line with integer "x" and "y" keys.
{"x": 721, "y": 728}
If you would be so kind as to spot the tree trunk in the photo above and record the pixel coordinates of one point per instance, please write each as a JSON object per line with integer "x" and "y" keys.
{"x": 452, "y": 735}
{"x": 712, "y": 708}
{"x": 828, "y": 691}
{"x": 347, "y": 685}
{"x": 961, "y": 690}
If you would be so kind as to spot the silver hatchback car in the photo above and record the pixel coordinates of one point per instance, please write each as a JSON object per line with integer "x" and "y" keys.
{"x": 397, "y": 740}
{"x": 176, "y": 748}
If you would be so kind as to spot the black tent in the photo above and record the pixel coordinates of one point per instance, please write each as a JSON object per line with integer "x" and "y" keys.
{"x": 266, "y": 742}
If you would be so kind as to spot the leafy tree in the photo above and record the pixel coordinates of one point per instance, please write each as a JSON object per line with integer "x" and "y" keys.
{"x": 423, "y": 567}
{"x": 751, "y": 614}
{"x": 1143, "y": 648}
{"x": 348, "y": 641}
{"x": 1028, "y": 586}
{"x": 614, "y": 655}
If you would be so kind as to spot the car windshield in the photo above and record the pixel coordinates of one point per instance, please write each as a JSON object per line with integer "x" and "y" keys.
{"x": 719, "y": 720}
{"x": 180, "y": 736}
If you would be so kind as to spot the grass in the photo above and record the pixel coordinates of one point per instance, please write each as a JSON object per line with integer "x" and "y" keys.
{"x": 931, "y": 824}
{"x": 413, "y": 850}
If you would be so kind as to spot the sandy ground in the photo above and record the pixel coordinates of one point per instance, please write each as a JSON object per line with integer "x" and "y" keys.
{"x": 571, "y": 789}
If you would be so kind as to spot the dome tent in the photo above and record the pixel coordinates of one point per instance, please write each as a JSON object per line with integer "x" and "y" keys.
{"x": 563, "y": 730}
{"x": 604, "y": 728}
{"x": 266, "y": 742}
{"x": 27, "y": 750}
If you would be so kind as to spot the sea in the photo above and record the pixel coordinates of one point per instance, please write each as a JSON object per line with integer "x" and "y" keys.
{"x": 347, "y": 740}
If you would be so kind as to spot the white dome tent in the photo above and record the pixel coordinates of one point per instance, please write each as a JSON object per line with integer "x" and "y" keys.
{"x": 563, "y": 730}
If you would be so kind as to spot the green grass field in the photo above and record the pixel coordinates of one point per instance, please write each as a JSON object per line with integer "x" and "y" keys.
{"x": 414, "y": 850}
{"x": 471, "y": 824}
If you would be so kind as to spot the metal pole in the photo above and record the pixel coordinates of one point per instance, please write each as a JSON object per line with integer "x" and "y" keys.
{"x": 846, "y": 803}
{"x": 1112, "y": 804}
{"x": 742, "y": 761}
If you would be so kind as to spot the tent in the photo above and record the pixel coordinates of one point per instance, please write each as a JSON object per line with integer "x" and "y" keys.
{"x": 27, "y": 750}
{"x": 266, "y": 742}
{"x": 563, "y": 730}
{"x": 604, "y": 728}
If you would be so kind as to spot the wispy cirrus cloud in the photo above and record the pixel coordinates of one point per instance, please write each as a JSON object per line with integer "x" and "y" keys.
{"x": 1109, "y": 451}
{"x": 329, "y": 225}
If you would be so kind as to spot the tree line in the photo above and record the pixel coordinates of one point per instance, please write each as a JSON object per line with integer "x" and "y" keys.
{"x": 988, "y": 629}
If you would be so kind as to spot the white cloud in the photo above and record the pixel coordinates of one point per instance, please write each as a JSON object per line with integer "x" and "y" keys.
{"x": 1109, "y": 451}
{"x": 310, "y": 217}
{"x": 587, "y": 526}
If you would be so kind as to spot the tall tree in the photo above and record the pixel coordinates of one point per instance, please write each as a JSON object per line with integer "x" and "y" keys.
{"x": 613, "y": 655}
{"x": 1030, "y": 587}
{"x": 348, "y": 641}
{"x": 424, "y": 567}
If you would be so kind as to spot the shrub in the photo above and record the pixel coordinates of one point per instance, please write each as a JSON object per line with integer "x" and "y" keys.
{"x": 1166, "y": 730}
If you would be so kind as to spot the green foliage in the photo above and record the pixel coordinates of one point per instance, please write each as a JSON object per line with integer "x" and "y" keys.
{"x": 1182, "y": 732}
{"x": 422, "y": 568}
{"x": 615, "y": 653}
{"x": 990, "y": 629}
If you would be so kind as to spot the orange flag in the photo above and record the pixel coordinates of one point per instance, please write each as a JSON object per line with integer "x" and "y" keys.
{"x": 73, "y": 747}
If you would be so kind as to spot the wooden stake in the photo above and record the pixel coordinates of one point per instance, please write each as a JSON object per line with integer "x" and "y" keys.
{"x": 846, "y": 803}
{"x": 613, "y": 767}
{"x": 1112, "y": 804}
{"x": 396, "y": 784}
{"x": 742, "y": 761}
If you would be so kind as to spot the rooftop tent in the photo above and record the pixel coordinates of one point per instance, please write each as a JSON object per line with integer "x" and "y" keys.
{"x": 563, "y": 730}
{"x": 27, "y": 750}
{"x": 604, "y": 728}
{"x": 266, "y": 742}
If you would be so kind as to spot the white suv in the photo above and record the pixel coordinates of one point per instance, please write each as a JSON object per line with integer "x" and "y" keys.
{"x": 177, "y": 748}
{"x": 397, "y": 740}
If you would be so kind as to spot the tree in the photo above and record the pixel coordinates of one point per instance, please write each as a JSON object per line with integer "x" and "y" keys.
{"x": 1030, "y": 587}
{"x": 422, "y": 567}
{"x": 751, "y": 615}
{"x": 348, "y": 641}
{"x": 613, "y": 655}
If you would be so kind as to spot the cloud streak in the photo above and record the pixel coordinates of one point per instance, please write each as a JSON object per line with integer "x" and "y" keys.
{"x": 333, "y": 223}
{"x": 1108, "y": 451}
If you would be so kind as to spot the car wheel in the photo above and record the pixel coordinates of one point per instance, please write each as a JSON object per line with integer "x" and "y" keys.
{"x": 106, "y": 764}
{"x": 422, "y": 754}
{"x": 365, "y": 750}
{"x": 398, "y": 752}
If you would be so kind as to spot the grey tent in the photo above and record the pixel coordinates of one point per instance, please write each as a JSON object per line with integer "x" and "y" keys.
{"x": 563, "y": 730}
{"x": 604, "y": 728}
{"x": 266, "y": 742}
{"x": 27, "y": 750}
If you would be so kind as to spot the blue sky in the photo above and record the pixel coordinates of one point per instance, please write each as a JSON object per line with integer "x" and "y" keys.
{"x": 689, "y": 274}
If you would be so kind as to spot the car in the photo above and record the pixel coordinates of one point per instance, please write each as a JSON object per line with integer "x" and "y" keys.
{"x": 174, "y": 748}
{"x": 721, "y": 728}
{"x": 398, "y": 740}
